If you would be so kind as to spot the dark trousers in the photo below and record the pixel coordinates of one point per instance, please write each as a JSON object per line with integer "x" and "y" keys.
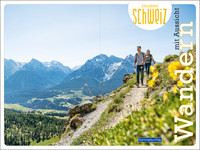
{"x": 147, "y": 66}
{"x": 140, "y": 69}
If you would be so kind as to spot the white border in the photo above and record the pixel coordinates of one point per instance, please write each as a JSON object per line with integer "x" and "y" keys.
{"x": 3, "y": 146}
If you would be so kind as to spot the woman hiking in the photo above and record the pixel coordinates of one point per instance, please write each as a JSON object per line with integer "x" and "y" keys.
{"x": 149, "y": 59}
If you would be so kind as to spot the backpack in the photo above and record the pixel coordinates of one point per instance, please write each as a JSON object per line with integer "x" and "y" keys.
{"x": 142, "y": 54}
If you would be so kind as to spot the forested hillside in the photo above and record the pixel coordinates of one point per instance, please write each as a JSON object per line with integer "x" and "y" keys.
{"x": 25, "y": 128}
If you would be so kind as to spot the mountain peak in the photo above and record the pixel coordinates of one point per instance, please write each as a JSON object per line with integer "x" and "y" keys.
{"x": 55, "y": 62}
{"x": 34, "y": 61}
{"x": 101, "y": 56}
{"x": 129, "y": 56}
{"x": 34, "y": 64}
{"x": 115, "y": 59}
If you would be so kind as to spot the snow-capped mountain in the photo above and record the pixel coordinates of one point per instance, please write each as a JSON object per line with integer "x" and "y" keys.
{"x": 111, "y": 70}
{"x": 55, "y": 64}
{"x": 97, "y": 73}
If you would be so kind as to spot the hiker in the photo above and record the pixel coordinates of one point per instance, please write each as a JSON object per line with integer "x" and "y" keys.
{"x": 149, "y": 59}
{"x": 139, "y": 60}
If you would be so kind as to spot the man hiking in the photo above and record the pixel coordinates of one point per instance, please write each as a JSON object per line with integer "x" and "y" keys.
{"x": 140, "y": 59}
{"x": 149, "y": 59}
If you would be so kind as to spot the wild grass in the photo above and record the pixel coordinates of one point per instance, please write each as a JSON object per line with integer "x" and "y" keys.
{"x": 45, "y": 142}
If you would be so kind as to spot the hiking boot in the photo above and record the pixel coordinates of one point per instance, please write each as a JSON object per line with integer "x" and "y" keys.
{"x": 137, "y": 85}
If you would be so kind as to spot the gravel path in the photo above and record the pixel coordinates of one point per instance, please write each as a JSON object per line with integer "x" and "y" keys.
{"x": 89, "y": 120}
{"x": 132, "y": 98}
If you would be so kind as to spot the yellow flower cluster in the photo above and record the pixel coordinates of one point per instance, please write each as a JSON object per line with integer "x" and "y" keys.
{"x": 151, "y": 82}
{"x": 194, "y": 79}
{"x": 165, "y": 96}
{"x": 180, "y": 83}
{"x": 153, "y": 102}
{"x": 155, "y": 75}
{"x": 147, "y": 100}
{"x": 152, "y": 68}
{"x": 175, "y": 65}
{"x": 175, "y": 89}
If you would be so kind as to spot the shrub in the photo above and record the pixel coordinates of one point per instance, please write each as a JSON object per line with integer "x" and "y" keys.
{"x": 118, "y": 100}
{"x": 94, "y": 106}
{"x": 114, "y": 108}
{"x": 171, "y": 58}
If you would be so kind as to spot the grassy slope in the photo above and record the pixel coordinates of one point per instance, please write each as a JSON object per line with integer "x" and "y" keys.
{"x": 22, "y": 108}
{"x": 17, "y": 107}
{"x": 155, "y": 119}
{"x": 75, "y": 94}
{"x": 45, "y": 142}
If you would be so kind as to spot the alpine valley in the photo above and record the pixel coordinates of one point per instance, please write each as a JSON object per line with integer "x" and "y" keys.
{"x": 51, "y": 85}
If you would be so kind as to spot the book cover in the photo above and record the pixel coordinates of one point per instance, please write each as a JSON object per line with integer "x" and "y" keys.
{"x": 100, "y": 74}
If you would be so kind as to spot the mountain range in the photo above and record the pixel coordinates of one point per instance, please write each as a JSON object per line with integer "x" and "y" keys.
{"x": 102, "y": 74}
{"x": 34, "y": 75}
{"x": 98, "y": 75}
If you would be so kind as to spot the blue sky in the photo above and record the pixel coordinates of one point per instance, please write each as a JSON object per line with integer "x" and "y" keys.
{"x": 70, "y": 33}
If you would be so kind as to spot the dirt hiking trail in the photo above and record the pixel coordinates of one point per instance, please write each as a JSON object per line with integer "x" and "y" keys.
{"x": 132, "y": 101}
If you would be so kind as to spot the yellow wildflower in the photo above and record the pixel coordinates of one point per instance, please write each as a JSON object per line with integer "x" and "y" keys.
{"x": 180, "y": 83}
{"x": 175, "y": 89}
{"x": 165, "y": 97}
{"x": 153, "y": 102}
{"x": 194, "y": 78}
{"x": 155, "y": 75}
{"x": 187, "y": 68}
{"x": 99, "y": 131}
{"x": 148, "y": 100}
{"x": 177, "y": 114}
{"x": 151, "y": 83}
{"x": 126, "y": 105}
{"x": 188, "y": 75}
{"x": 172, "y": 67}
{"x": 173, "y": 76}
{"x": 152, "y": 68}
{"x": 131, "y": 105}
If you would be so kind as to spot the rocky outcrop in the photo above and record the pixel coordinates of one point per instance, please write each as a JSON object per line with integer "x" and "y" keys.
{"x": 76, "y": 121}
{"x": 171, "y": 58}
{"x": 126, "y": 78}
{"x": 99, "y": 98}
{"x": 82, "y": 108}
